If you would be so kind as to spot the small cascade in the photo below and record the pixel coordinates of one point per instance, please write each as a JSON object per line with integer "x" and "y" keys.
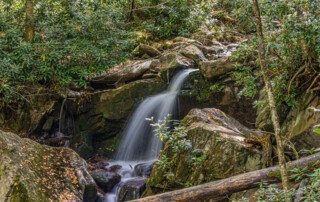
{"x": 139, "y": 145}
{"x": 61, "y": 118}
{"x": 138, "y": 142}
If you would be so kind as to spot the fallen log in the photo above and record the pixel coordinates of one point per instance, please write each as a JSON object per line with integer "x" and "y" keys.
{"x": 224, "y": 188}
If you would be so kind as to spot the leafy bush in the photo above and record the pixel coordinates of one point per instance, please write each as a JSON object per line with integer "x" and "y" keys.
{"x": 172, "y": 18}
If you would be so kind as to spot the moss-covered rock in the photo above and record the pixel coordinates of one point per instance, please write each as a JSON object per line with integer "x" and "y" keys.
{"x": 221, "y": 147}
{"x": 33, "y": 172}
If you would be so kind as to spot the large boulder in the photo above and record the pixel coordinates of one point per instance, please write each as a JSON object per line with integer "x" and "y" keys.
{"x": 216, "y": 68}
{"x": 194, "y": 53}
{"x": 130, "y": 70}
{"x": 220, "y": 147}
{"x": 33, "y": 172}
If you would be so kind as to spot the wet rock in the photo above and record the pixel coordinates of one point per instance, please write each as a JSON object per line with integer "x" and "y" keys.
{"x": 144, "y": 169}
{"x": 216, "y": 68}
{"x": 48, "y": 124}
{"x": 106, "y": 180}
{"x": 115, "y": 168}
{"x": 146, "y": 49}
{"x": 33, "y": 172}
{"x": 221, "y": 147}
{"x": 132, "y": 189}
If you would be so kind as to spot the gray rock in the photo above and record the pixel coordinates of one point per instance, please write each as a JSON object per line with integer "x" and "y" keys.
{"x": 128, "y": 71}
{"x": 216, "y": 68}
{"x": 194, "y": 53}
{"x": 144, "y": 169}
{"x": 143, "y": 49}
{"x": 106, "y": 180}
{"x": 132, "y": 189}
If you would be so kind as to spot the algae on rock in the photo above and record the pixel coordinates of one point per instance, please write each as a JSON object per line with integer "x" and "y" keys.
{"x": 33, "y": 172}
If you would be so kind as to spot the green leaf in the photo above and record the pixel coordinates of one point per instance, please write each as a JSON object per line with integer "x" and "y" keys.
{"x": 317, "y": 131}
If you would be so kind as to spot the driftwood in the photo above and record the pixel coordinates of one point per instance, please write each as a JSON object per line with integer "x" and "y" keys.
{"x": 226, "y": 187}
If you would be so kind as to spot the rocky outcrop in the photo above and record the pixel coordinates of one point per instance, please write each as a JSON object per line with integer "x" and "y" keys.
{"x": 221, "y": 147}
{"x": 25, "y": 116}
{"x": 216, "y": 68}
{"x": 33, "y": 172}
{"x": 221, "y": 93}
{"x": 131, "y": 70}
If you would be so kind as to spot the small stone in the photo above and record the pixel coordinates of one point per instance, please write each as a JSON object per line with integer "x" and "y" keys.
{"x": 132, "y": 189}
{"x": 115, "y": 168}
{"x": 144, "y": 169}
{"x": 106, "y": 180}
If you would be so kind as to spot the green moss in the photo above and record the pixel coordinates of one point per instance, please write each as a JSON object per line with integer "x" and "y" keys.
{"x": 19, "y": 192}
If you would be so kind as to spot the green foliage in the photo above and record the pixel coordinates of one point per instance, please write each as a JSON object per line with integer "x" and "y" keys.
{"x": 273, "y": 193}
{"x": 312, "y": 191}
{"x": 309, "y": 151}
{"x": 291, "y": 33}
{"x": 298, "y": 174}
{"x": 175, "y": 137}
{"x": 239, "y": 10}
{"x": 76, "y": 39}
{"x": 244, "y": 77}
{"x": 317, "y": 130}
{"x": 176, "y": 141}
{"x": 171, "y": 18}
{"x": 204, "y": 89}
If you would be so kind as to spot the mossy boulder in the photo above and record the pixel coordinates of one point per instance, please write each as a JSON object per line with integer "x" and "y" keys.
{"x": 221, "y": 147}
{"x": 33, "y": 172}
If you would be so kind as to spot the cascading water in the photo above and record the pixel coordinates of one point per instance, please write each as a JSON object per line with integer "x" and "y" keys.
{"x": 139, "y": 144}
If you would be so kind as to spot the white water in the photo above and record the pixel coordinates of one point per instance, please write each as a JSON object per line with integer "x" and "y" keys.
{"x": 139, "y": 144}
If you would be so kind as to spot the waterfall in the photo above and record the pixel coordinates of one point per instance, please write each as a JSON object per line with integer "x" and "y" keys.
{"x": 138, "y": 144}
{"x": 138, "y": 141}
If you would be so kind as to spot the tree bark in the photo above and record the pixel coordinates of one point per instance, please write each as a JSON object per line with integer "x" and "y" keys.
{"x": 29, "y": 21}
{"x": 271, "y": 100}
{"x": 224, "y": 188}
{"x": 132, "y": 8}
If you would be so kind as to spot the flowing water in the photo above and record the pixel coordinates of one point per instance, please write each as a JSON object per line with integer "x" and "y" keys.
{"x": 139, "y": 145}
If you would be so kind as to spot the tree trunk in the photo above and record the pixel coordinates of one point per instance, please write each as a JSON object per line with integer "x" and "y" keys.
{"x": 271, "y": 100}
{"x": 223, "y": 188}
{"x": 132, "y": 8}
{"x": 29, "y": 21}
